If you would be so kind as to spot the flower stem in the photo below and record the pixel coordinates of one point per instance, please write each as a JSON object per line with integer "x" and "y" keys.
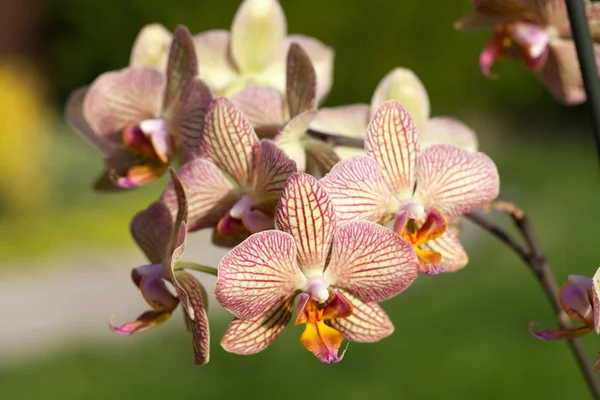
{"x": 196, "y": 267}
{"x": 587, "y": 62}
{"x": 533, "y": 255}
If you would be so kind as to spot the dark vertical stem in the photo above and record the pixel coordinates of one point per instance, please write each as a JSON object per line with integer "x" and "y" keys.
{"x": 587, "y": 62}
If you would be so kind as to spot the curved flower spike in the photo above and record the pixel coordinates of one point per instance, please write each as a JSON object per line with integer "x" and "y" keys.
{"x": 338, "y": 271}
{"x": 578, "y": 298}
{"x": 162, "y": 240}
{"x": 538, "y": 34}
{"x": 235, "y": 184}
{"x": 141, "y": 118}
{"x": 423, "y": 190}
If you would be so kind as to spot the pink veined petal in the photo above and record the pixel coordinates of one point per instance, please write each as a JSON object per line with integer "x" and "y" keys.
{"x": 229, "y": 141}
{"x": 182, "y": 68}
{"x": 596, "y": 300}
{"x": 151, "y": 229}
{"x": 348, "y": 121}
{"x": 273, "y": 168}
{"x": 187, "y": 120}
{"x": 210, "y": 194}
{"x": 301, "y": 81}
{"x": 257, "y": 34}
{"x": 306, "y": 212}
{"x": 76, "y": 120}
{"x": 258, "y": 274}
{"x": 403, "y": 85}
{"x": 454, "y": 256}
{"x": 447, "y": 130}
{"x": 358, "y": 190}
{"x": 121, "y": 98}
{"x": 392, "y": 140}
{"x": 576, "y": 302}
{"x": 370, "y": 261}
{"x": 250, "y": 336}
{"x": 454, "y": 180}
{"x": 216, "y": 67}
{"x": 151, "y": 47}
{"x": 198, "y": 325}
{"x": 263, "y": 107}
{"x": 368, "y": 323}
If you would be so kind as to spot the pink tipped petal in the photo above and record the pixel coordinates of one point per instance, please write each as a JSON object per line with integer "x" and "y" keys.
{"x": 455, "y": 180}
{"x": 182, "y": 68}
{"x": 306, "y": 212}
{"x": 371, "y": 262}
{"x": 229, "y": 141}
{"x": 321, "y": 57}
{"x": 321, "y": 155}
{"x": 301, "y": 88}
{"x": 121, "y": 98}
{"x": 403, "y": 85}
{"x": 151, "y": 230}
{"x": 273, "y": 168}
{"x": 210, "y": 193}
{"x": 258, "y": 274}
{"x": 575, "y": 301}
{"x": 250, "y": 336}
{"x": 559, "y": 334}
{"x": 596, "y": 300}
{"x": 263, "y": 107}
{"x": 147, "y": 320}
{"x": 151, "y": 47}
{"x": 393, "y": 141}
{"x": 156, "y": 294}
{"x": 216, "y": 67}
{"x": 358, "y": 190}
{"x": 198, "y": 324}
{"x": 446, "y": 130}
{"x": 348, "y": 121}
{"x": 454, "y": 256}
{"x": 368, "y": 323}
{"x": 257, "y": 34}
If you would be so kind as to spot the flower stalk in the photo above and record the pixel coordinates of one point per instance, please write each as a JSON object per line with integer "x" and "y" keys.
{"x": 196, "y": 267}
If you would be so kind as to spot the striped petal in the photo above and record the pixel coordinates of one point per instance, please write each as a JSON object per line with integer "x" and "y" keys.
{"x": 121, "y": 98}
{"x": 454, "y": 256}
{"x": 403, "y": 85}
{"x": 446, "y": 130}
{"x": 349, "y": 121}
{"x": 182, "y": 68}
{"x": 454, "y": 180}
{"x": 151, "y": 47}
{"x": 358, "y": 190}
{"x": 250, "y": 336}
{"x": 263, "y": 107}
{"x": 210, "y": 194}
{"x": 229, "y": 141}
{"x": 393, "y": 141}
{"x": 306, "y": 212}
{"x": 258, "y": 274}
{"x": 370, "y": 261}
{"x": 216, "y": 66}
{"x": 273, "y": 168}
{"x": 301, "y": 81}
{"x": 151, "y": 230}
{"x": 368, "y": 323}
{"x": 575, "y": 301}
{"x": 596, "y": 300}
{"x": 198, "y": 325}
{"x": 187, "y": 120}
{"x": 257, "y": 34}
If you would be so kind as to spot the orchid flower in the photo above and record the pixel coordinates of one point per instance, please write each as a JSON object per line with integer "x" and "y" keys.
{"x": 338, "y": 272}
{"x": 140, "y": 118}
{"x": 151, "y": 47}
{"x": 422, "y": 189}
{"x": 404, "y": 86}
{"x": 235, "y": 183}
{"x": 163, "y": 241}
{"x": 538, "y": 33}
{"x": 254, "y": 52}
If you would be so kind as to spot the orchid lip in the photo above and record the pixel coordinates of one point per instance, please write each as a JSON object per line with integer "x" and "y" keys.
{"x": 318, "y": 290}
{"x": 149, "y": 126}
{"x": 415, "y": 210}
{"x": 242, "y": 205}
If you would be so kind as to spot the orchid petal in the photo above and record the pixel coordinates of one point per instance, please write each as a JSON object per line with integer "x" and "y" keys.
{"x": 273, "y": 168}
{"x": 199, "y": 323}
{"x": 257, "y": 221}
{"x": 151, "y": 230}
{"x": 258, "y": 274}
{"x": 290, "y": 136}
{"x": 229, "y": 141}
{"x": 454, "y": 256}
{"x": 348, "y": 121}
{"x": 301, "y": 86}
{"x": 187, "y": 120}
{"x": 263, "y": 107}
{"x": 346, "y": 152}
{"x": 486, "y": 14}
{"x": 121, "y": 98}
{"x": 575, "y": 301}
{"x": 558, "y": 334}
{"x": 139, "y": 175}
{"x": 216, "y": 66}
{"x": 146, "y": 320}
{"x": 182, "y": 68}
{"x": 368, "y": 323}
{"x": 323, "y": 341}
{"x": 257, "y": 34}
{"x": 306, "y": 212}
{"x": 358, "y": 190}
{"x": 454, "y": 180}
{"x": 230, "y": 240}
{"x": 393, "y": 141}
{"x": 370, "y": 261}
{"x": 210, "y": 193}
{"x": 321, "y": 154}
{"x": 596, "y": 300}
{"x": 446, "y": 130}
{"x": 156, "y": 294}
{"x": 151, "y": 47}
{"x": 403, "y": 85}
{"x": 251, "y": 336}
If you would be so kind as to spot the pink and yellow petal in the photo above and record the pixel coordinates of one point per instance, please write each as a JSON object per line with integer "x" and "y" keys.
{"x": 447, "y": 130}
{"x": 273, "y": 168}
{"x": 301, "y": 81}
{"x": 348, "y": 121}
{"x": 323, "y": 341}
{"x": 449, "y": 247}
{"x": 216, "y": 67}
{"x": 182, "y": 69}
{"x": 198, "y": 323}
{"x": 146, "y": 320}
{"x": 263, "y": 107}
{"x": 596, "y": 300}
{"x": 151, "y": 47}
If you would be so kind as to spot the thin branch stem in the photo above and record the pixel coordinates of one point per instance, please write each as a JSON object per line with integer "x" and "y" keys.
{"x": 196, "y": 267}
{"x": 587, "y": 62}
{"x": 534, "y": 257}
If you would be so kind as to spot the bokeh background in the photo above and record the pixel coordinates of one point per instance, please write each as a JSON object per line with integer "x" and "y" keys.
{"x": 65, "y": 252}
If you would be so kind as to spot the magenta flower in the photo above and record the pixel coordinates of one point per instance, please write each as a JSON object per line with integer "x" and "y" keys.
{"x": 338, "y": 271}
{"x": 422, "y": 189}
{"x": 141, "y": 118}
{"x": 538, "y": 34}
{"x": 163, "y": 241}
{"x": 236, "y": 182}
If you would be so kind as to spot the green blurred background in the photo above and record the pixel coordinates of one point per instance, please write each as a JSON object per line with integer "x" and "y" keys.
{"x": 459, "y": 336}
